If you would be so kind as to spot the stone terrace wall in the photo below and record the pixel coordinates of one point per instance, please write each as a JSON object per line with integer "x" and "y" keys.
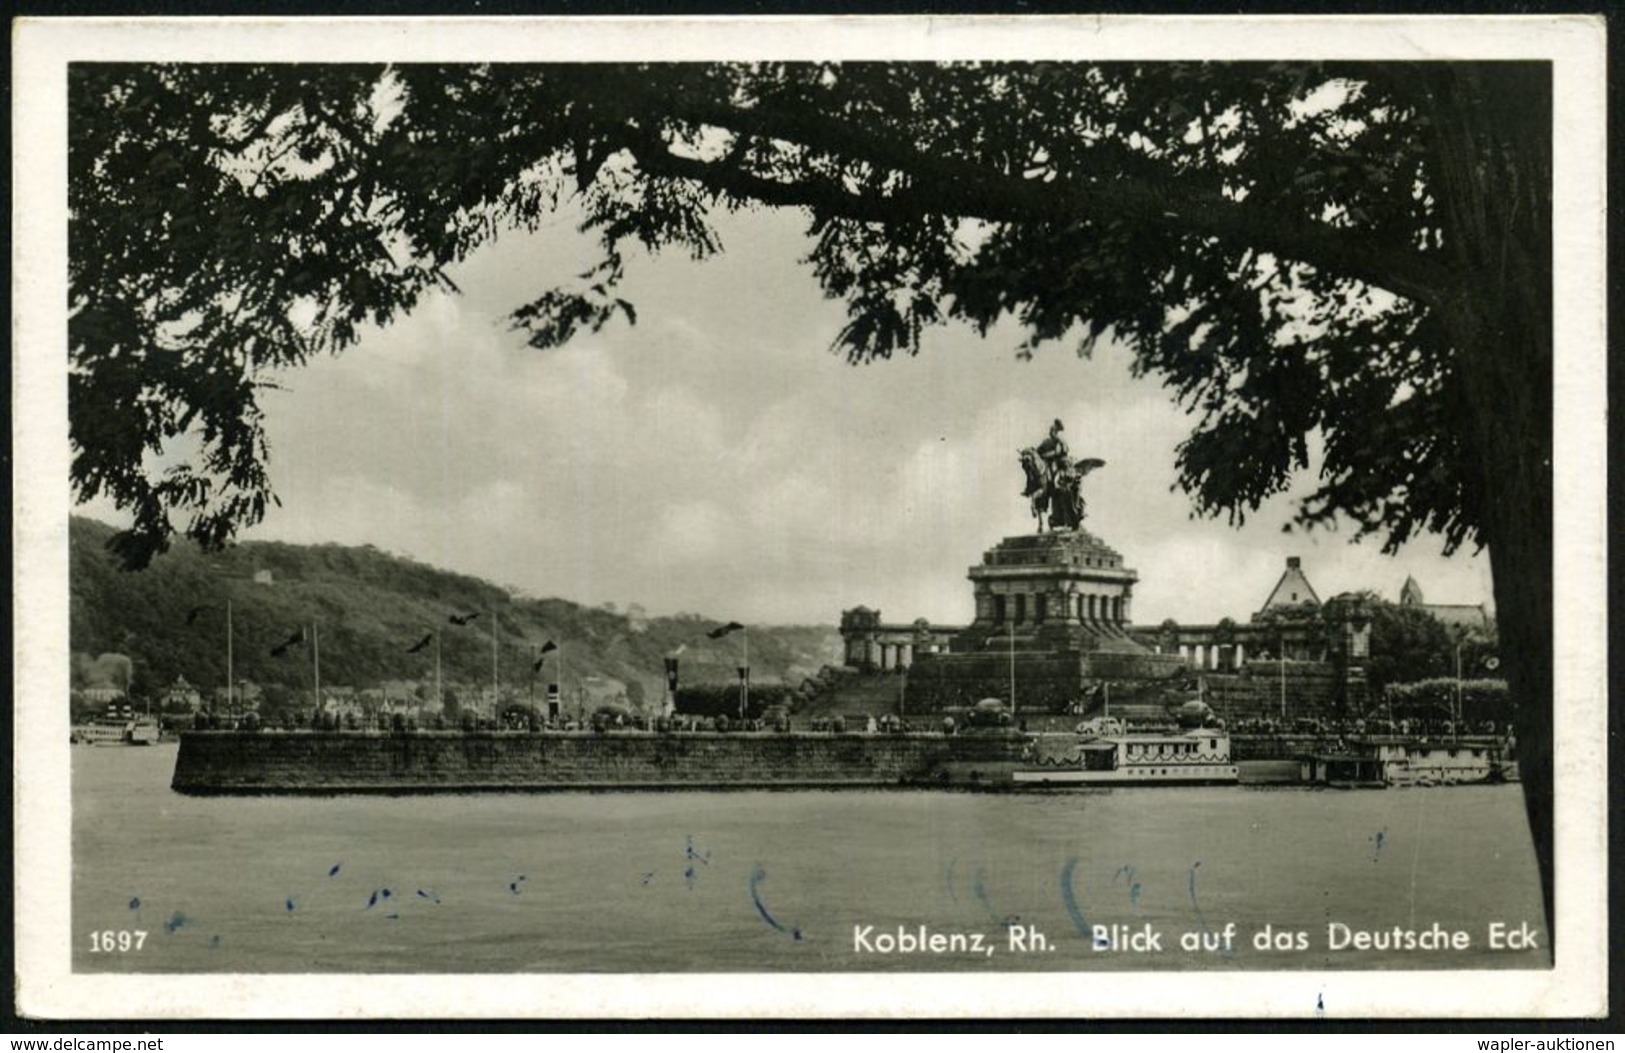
{"x": 1313, "y": 689}
{"x": 1045, "y": 682}
{"x": 420, "y": 762}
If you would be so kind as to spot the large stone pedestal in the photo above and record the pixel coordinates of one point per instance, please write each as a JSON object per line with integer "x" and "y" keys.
{"x": 1060, "y": 590}
{"x": 1053, "y": 617}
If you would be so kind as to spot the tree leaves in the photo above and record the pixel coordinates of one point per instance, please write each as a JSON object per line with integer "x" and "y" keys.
{"x": 1266, "y": 237}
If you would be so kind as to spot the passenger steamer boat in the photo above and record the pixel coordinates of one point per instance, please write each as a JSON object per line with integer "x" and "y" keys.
{"x": 119, "y": 726}
{"x": 1391, "y": 760}
{"x": 1106, "y": 754}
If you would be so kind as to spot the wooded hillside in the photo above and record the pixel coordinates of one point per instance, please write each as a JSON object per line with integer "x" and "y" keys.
{"x": 372, "y": 608}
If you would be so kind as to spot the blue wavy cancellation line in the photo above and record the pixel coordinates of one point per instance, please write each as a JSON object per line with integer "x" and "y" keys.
{"x": 758, "y": 874}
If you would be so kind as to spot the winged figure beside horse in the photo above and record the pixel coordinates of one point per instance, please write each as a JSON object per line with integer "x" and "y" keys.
{"x": 1055, "y": 481}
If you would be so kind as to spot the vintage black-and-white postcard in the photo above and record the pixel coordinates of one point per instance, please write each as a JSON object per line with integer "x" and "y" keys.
{"x": 638, "y": 517}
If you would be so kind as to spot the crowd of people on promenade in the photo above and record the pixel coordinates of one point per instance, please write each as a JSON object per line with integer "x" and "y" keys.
{"x": 616, "y": 720}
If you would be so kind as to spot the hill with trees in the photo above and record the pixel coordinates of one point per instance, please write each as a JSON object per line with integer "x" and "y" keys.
{"x": 366, "y": 610}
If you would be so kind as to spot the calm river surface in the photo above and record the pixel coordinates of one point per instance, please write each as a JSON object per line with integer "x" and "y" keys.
{"x": 777, "y": 881}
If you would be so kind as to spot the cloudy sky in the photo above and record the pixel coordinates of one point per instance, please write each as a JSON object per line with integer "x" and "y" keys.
{"x": 717, "y": 458}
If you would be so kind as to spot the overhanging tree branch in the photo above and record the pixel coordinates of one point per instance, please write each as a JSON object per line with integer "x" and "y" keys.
{"x": 954, "y": 187}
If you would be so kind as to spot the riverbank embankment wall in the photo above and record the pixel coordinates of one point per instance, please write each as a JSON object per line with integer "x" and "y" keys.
{"x": 224, "y": 762}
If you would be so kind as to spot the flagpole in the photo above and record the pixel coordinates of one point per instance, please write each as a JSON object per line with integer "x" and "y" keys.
{"x": 493, "y": 661}
{"x": 228, "y": 655}
{"x": 439, "y": 695}
{"x": 316, "y": 658}
{"x": 745, "y": 706}
{"x": 1012, "y": 667}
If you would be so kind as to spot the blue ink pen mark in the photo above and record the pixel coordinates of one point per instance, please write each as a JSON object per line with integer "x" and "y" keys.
{"x": 372, "y": 901}
{"x": 333, "y": 870}
{"x": 1320, "y": 1003}
{"x": 291, "y": 905}
{"x": 979, "y": 888}
{"x": 393, "y": 917}
{"x": 1379, "y": 839}
{"x": 514, "y": 885}
{"x": 1070, "y": 898}
{"x": 693, "y": 855}
{"x": 1127, "y": 873}
{"x": 387, "y": 893}
{"x": 948, "y": 879}
{"x": 1220, "y": 943}
{"x": 177, "y": 921}
{"x": 135, "y": 903}
{"x": 430, "y": 895}
{"x": 650, "y": 876}
{"x": 757, "y": 876}
{"x": 214, "y": 942}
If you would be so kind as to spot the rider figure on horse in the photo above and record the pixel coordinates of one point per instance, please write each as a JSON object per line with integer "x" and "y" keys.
{"x": 1054, "y": 481}
{"x": 1055, "y": 455}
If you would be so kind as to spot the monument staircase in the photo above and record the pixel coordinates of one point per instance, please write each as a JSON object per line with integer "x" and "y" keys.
{"x": 852, "y": 694}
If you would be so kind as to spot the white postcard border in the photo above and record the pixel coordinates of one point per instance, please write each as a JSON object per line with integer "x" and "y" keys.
{"x": 47, "y": 987}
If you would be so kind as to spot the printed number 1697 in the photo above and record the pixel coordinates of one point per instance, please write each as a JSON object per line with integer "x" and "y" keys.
{"x": 107, "y": 941}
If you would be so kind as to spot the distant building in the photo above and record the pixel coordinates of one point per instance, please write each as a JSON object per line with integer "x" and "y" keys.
{"x": 1227, "y": 645}
{"x": 1293, "y": 590}
{"x": 182, "y": 695}
{"x": 263, "y": 577}
{"x": 1457, "y": 617}
{"x": 341, "y": 700}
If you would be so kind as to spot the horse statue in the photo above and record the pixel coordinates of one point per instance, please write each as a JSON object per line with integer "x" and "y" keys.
{"x": 1037, "y": 489}
{"x": 1056, "y": 494}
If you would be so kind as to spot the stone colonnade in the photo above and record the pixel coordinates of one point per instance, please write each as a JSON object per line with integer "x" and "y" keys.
{"x": 1228, "y": 646}
{"x": 999, "y": 605}
{"x": 1213, "y": 656}
{"x": 870, "y": 643}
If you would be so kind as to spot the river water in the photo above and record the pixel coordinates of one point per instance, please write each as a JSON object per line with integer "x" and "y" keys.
{"x": 790, "y": 881}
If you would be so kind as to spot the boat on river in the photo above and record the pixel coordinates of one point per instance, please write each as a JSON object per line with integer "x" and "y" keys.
{"x": 1107, "y": 754}
{"x": 119, "y": 726}
{"x": 1396, "y": 760}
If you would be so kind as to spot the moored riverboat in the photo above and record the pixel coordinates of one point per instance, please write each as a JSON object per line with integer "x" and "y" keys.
{"x": 1377, "y": 761}
{"x": 119, "y": 726}
{"x": 1196, "y": 756}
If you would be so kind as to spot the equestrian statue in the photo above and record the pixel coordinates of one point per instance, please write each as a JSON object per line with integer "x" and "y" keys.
{"x": 1055, "y": 481}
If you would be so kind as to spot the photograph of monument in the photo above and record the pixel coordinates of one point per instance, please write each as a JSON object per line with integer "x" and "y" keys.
{"x": 994, "y": 516}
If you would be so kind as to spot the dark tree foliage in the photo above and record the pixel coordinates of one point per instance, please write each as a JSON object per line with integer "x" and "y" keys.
{"x": 1409, "y": 645}
{"x": 1343, "y": 267}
